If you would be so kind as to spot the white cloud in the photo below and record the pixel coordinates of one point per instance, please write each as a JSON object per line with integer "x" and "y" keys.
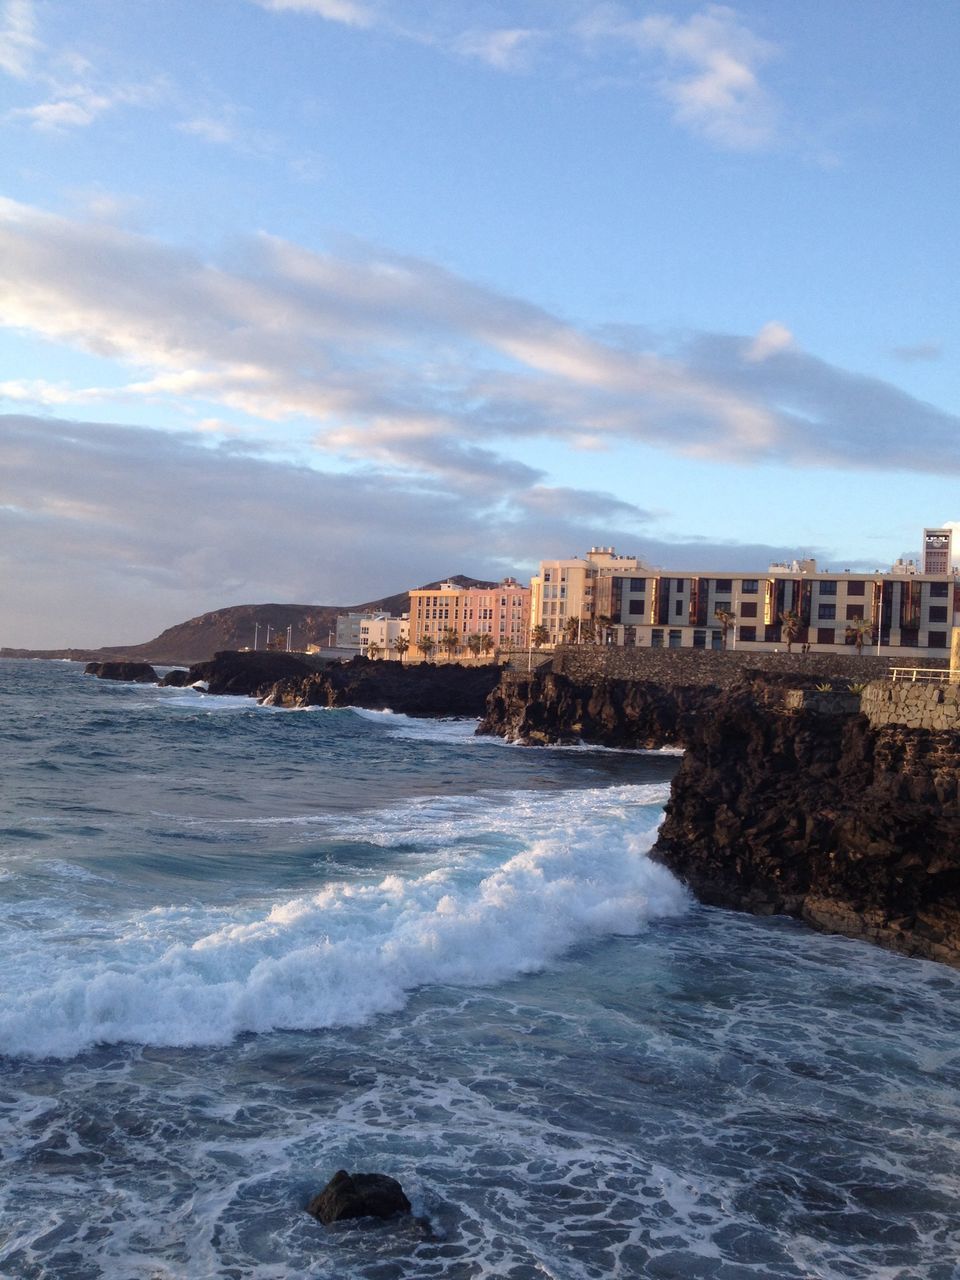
{"x": 711, "y": 71}
{"x": 506, "y": 49}
{"x": 18, "y": 40}
{"x": 395, "y": 359}
{"x": 78, "y": 105}
{"x": 345, "y": 11}
{"x": 772, "y": 337}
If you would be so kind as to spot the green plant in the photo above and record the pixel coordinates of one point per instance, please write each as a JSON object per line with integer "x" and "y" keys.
{"x": 857, "y": 686}
{"x": 824, "y": 687}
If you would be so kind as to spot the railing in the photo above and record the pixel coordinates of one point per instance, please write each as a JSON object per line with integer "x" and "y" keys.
{"x": 923, "y": 675}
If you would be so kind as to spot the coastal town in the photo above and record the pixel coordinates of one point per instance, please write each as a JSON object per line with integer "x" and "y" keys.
{"x": 908, "y": 610}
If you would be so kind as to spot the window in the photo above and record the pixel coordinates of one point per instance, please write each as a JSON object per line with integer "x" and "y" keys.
{"x": 750, "y": 586}
{"x": 678, "y": 608}
{"x": 828, "y": 588}
{"x": 699, "y": 639}
{"x": 546, "y": 576}
{"x": 676, "y": 639}
{"x": 748, "y": 634}
{"x": 638, "y": 584}
{"x": 637, "y": 606}
{"x": 748, "y": 609}
{"x": 939, "y": 590}
{"x": 716, "y": 640}
{"x": 826, "y": 611}
{"x": 909, "y": 637}
{"x": 938, "y": 613}
{"x": 854, "y": 612}
{"x": 679, "y": 583}
{"x": 722, "y": 606}
{"x": 825, "y": 635}
{"x": 656, "y": 638}
{"x": 855, "y": 588}
{"x": 724, "y": 584}
{"x": 936, "y": 639}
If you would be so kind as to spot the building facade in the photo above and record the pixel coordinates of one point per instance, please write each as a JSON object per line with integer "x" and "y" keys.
{"x": 618, "y": 600}
{"x": 565, "y": 594}
{"x": 446, "y": 617}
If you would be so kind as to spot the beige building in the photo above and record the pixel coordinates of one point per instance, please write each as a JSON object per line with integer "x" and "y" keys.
{"x": 566, "y": 594}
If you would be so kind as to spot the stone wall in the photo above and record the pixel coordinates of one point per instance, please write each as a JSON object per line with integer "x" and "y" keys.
{"x": 916, "y": 706}
{"x": 692, "y": 667}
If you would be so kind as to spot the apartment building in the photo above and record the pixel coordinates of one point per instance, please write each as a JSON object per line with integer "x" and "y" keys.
{"x": 499, "y": 611}
{"x": 581, "y": 589}
{"x": 379, "y": 633}
{"x": 903, "y": 612}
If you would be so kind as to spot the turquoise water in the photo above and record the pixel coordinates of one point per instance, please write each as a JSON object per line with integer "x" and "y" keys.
{"x": 243, "y": 948}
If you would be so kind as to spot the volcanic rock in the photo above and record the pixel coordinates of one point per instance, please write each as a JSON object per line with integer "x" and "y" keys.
{"x": 358, "y": 1195}
{"x": 136, "y": 672}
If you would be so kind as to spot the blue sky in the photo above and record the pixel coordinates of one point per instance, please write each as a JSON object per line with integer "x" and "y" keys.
{"x": 317, "y": 299}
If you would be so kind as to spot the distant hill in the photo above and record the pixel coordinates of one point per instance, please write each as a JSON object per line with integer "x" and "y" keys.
{"x": 200, "y": 638}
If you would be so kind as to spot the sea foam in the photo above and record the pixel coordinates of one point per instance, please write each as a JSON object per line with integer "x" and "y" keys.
{"x": 576, "y": 869}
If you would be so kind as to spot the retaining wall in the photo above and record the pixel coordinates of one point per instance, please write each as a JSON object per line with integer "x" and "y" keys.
{"x": 915, "y": 706}
{"x": 586, "y": 663}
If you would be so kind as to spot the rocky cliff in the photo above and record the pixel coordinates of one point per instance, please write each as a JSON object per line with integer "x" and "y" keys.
{"x": 787, "y": 800}
{"x": 545, "y": 707}
{"x": 823, "y": 816}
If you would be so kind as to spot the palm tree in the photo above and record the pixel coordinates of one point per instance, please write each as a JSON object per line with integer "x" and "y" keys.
{"x": 400, "y": 646}
{"x": 857, "y": 631}
{"x": 571, "y": 630}
{"x": 601, "y": 628}
{"x": 373, "y": 650}
{"x": 426, "y": 644}
{"x": 725, "y": 618}
{"x": 539, "y": 635}
{"x": 486, "y": 643}
{"x": 475, "y": 643}
{"x": 449, "y": 641}
{"x": 791, "y": 627}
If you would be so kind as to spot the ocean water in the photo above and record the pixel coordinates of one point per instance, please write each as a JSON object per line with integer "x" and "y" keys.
{"x": 241, "y": 948}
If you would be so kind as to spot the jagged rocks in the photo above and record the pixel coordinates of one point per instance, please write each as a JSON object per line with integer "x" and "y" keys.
{"x": 546, "y": 707}
{"x": 419, "y": 689}
{"x": 359, "y": 1195}
{"x": 135, "y": 672}
{"x": 244, "y": 673}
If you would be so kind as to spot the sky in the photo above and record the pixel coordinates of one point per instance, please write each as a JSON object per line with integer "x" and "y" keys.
{"x": 316, "y": 300}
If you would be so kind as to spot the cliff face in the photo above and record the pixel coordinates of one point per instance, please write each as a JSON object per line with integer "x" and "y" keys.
{"x": 787, "y": 802}
{"x": 546, "y": 707}
{"x": 852, "y": 828}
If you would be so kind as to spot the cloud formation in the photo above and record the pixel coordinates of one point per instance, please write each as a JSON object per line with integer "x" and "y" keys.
{"x": 396, "y": 360}
{"x": 18, "y": 39}
{"x": 100, "y": 524}
{"x": 709, "y": 73}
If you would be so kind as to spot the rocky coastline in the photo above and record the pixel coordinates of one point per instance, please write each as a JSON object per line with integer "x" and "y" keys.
{"x": 297, "y": 680}
{"x": 836, "y": 805}
{"x": 840, "y": 806}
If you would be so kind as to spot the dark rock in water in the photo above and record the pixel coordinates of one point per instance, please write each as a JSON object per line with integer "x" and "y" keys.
{"x": 136, "y": 672}
{"x": 358, "y": 1195}
{"x": 242, "y": 673}
{"x": 179, "y": 678}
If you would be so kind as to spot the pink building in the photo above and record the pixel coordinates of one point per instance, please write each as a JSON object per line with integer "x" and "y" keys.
{"x": 501, "y": 612}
